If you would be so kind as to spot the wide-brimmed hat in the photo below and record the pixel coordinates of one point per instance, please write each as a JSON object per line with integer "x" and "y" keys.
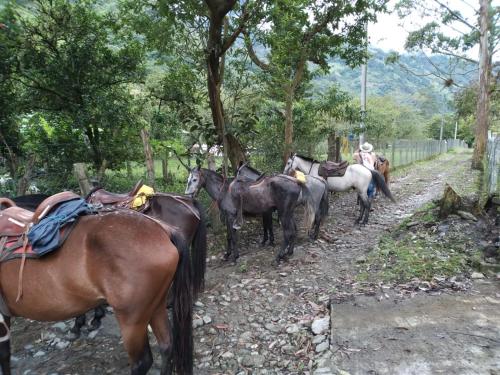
{"x": 366, "y": 147}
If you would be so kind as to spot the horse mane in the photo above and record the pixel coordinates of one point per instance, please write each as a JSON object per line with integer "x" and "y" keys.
{"x": 251, "y": 169}
{"x": 307, "y": 158}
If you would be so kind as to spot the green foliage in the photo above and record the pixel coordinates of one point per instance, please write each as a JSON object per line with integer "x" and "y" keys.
{"x": 72, "y": 64}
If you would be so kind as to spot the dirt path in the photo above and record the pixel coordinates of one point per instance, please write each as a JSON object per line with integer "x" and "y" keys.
{"x": 254, "y": 318}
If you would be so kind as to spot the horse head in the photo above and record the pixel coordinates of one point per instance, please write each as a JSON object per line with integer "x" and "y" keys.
{"x": 195, "y": 181}
{"x": 290, "y": 163}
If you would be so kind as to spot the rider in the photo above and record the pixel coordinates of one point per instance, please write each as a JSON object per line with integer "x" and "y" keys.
{"x": 365, "y": 155}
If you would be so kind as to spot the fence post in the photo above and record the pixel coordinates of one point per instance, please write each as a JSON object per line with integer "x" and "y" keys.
{"x": 393, "y": 161}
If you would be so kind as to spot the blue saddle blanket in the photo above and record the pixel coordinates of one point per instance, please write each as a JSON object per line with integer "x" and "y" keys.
{"x": 45, "y": 236}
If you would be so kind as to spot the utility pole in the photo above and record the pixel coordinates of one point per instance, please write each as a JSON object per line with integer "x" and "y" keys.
{"x": 363, "y": 90}
{"x": 456, "y": 129}
{"x": 441, "y": 133}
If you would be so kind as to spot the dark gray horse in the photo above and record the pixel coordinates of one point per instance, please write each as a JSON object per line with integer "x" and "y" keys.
{"x": 242, "y": 196}
{"x": 215, "y": 184}
{"x": 318, "y": 190}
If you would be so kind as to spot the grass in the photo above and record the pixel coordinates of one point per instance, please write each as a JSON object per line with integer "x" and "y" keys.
{"x": 420, "y": 253}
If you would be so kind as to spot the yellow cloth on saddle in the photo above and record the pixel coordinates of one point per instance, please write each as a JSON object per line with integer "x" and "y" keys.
{"x": 300, "y": 176}
{"x": 142, "y": 196}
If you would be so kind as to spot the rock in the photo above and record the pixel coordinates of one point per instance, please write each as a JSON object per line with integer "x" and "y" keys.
{"x": 322, "y": 347}
{"x": 450, "y": 202}
{"x": 294, "y": 328}
{"x": 361, "y": 259}
{"x": 320, "y": 325}
{"x": 197, "y": 323}
{"x": 246, "y": 337}
{"x": 272, "y": 327}
{"x": 39, "y": 353}
{"x": 61, "y": 326}
{"x": 253, "y": 360}
{"x": 477, "y": 275}
{"x": 227, "y": 355}
{"x": 324, "y": 371}
{"x": 93, "y": 334}
{"x": 317, "y": 339}
{"x": 62, "y": 344}
{"x": 466, "y": 215}
{"x": 207, "y": 319}
{"x": 199, "y": 304}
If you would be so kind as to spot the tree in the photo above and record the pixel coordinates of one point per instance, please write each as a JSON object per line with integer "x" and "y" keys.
{"x": 467, "y": 34}
{"x": 71, "y": 62}
{"x": 299, "y": 32}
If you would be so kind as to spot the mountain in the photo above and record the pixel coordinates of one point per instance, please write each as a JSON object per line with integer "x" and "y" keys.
{"x": 394, "y": 80}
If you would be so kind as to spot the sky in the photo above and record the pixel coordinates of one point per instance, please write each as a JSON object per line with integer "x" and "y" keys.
{"x": 389, "y": 33}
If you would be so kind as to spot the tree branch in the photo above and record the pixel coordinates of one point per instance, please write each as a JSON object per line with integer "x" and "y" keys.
{"x": 253, "y": 55}
{"x": 456, "y": 15}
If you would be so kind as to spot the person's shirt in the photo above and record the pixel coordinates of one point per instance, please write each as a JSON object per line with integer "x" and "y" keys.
{"x": 368, "y": 159}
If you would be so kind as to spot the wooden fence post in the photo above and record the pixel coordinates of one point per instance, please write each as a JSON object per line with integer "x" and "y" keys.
{"x": 80, "y": 171}
{"x": 393, "y": 161}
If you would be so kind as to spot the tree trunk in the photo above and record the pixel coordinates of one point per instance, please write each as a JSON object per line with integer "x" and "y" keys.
{"x": 331, "y": 146}
{"x": 338, "y": 156}
{"x": 483, "y": 102}
{"x": 80, "y": 171}
{"x": 232, "y": 148}
{"x": 288, "y": 146}
{"x": 148, "y": 153}
{"x": 24, "y": 181}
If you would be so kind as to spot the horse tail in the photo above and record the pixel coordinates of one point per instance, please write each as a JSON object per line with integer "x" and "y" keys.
{"x": 324, "y": 204}
{"x": 199, "y": 252}
{"x": 308, "y": 200}
{"x": 380, "y": 184}
{"x": 182, "y": 327}
{"x": 7, "y": 202}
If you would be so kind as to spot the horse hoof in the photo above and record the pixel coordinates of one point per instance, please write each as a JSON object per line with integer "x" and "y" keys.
{"x": 226, "y": 256}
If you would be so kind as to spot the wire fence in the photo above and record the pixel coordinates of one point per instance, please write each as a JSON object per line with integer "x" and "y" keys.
{"x": 401, "y": 152}
{"x": 493, "y": 164}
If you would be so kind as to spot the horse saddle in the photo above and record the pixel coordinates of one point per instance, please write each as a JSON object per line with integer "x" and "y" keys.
{"x": 331, "y": 169}
{"x": 16, "y": 222}
{"x": 107, "y": 198}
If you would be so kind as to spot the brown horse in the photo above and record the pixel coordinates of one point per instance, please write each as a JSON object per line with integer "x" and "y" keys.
{"x": 125, "y": 259}
{"x": 382, "y": 165}
{"x": 181, "y": 212}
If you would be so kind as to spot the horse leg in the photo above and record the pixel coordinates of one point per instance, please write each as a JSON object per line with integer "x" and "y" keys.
{"x": 265, "y": 227}
{"x": 292, "y": 231}
{"x": 362, "y": 208}
{"x": 135, "y": 340}
{"x": 234, "y": 243}
{"x": 229, "y": 247}
{"x": 367, "y": 210}
{"x": 99, "y": 313}
{"x": 5, "y": 344}
{"x": 77, "y": 327}
{"x": 314, "y": 231}
{"x": 163, "y": 333}
{"x": 270, "y": 227}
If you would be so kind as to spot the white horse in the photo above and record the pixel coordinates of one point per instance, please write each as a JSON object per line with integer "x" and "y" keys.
{"x": 356, "y": 177}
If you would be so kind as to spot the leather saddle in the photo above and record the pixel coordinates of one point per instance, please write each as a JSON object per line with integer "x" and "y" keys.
{"x": 108, "y": 198}
{"x": 331, "y": 169}
{"x": 15, "y": 221}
